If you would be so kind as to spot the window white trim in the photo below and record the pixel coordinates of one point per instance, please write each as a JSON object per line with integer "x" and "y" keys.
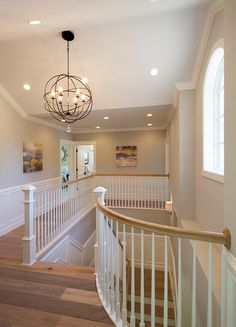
{"x": 214, "y": 176}
{"x": 212, "y": 165}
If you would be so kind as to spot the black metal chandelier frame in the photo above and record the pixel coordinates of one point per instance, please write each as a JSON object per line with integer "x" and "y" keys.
{"x": 73, "y": 101}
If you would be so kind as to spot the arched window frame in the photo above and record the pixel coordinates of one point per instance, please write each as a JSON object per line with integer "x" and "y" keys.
{"x": 213, "y": 115}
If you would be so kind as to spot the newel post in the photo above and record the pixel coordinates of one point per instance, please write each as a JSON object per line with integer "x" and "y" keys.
{"x": 29, "y": 239}
{"x": 100, "y": 193}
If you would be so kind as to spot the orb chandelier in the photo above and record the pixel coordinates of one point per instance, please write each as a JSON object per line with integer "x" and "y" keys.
{"x": 68, "y": 98}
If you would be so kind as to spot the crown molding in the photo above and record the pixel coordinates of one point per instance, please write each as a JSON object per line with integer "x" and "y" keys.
{"x": 6, "y": 95}
{"x": 111, "y": 130}
{"x": 191, "y": 85}
{"x": 42, "y": 122}
{"x": 15, "y": 105}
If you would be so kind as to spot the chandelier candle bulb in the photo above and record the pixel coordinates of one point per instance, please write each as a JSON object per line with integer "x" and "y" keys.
{"x": 83, "y": 97}
{"x": 60, "y": 99}
{"x": 53, "y": 95}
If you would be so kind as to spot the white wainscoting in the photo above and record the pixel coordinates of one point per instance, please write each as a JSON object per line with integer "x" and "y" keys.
{"x": 229, "y": 289}
{"x": 11, "y": 204}
{"x": 70, "y": 251}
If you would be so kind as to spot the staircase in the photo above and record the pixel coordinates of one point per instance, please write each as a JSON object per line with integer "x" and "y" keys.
{"x": 50, "y": 295}
{"x": 159, "y": 296}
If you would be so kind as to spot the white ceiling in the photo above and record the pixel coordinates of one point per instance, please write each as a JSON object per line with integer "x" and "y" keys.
{"x": 116, "y": 44}
{"x": 120, "y": 119}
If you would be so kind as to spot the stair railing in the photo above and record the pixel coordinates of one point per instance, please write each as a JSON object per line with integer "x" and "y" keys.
{"x": 110, "y": 262}
{"x": 50, "y": 213}
{"x": 137, "y": 191}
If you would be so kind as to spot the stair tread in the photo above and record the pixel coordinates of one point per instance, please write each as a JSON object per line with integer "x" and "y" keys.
{"x": 148, "y": 324}
{"x": 159, "y": 311}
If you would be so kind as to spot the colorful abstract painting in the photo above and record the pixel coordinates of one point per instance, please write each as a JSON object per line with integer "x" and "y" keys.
{"x": 126, "y": 156}
{"x": 32, "y": 157}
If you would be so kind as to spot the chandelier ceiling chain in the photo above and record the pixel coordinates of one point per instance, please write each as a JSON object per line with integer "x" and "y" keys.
{"x": 67, "y": 97}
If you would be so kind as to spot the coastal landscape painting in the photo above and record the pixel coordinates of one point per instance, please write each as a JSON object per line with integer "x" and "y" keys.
{"x": 126, "y": 156}
{"x": 32, "y": 157}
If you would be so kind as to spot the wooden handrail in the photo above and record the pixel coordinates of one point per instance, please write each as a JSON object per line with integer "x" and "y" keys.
{"x": 213, "y": 237}
{"x": 132, "y": 175}
{"x": 77, "y": 180}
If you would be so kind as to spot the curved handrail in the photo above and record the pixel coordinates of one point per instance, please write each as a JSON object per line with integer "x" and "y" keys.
{"x": 222, "y": 238}
{"x": 132, "y": 175}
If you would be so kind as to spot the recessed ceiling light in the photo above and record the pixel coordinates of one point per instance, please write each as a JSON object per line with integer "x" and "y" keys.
{"x": 153, "y": 72}
{"x": 98, "y": 127}
{"x": 149, "y": 124}
{"x": 106, "y": 117}
{"x": 149, "y": 115}
{"x": 34, "y": 22}
{"x": 27, "y": 87}
{"x": 68, "y": 129}
{"x": 62, "y": 120}
{"x": 85, "y": 80}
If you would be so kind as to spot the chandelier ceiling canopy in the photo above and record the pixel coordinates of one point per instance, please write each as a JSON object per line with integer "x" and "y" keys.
{"x": 68, "y": 98}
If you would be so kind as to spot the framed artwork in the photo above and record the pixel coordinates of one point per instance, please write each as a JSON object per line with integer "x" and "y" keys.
{"x": 32, "y": 157}
{"x": 126, "y": 156}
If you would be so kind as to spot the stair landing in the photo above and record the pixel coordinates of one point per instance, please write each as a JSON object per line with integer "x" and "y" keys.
{"x": 50, "y": 295}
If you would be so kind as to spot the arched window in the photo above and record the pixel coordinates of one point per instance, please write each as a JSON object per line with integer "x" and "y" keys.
{"x": 213, "y": 114}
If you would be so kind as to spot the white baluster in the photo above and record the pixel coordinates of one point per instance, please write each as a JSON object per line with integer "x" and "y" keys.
{"x": 132, "y": 315}
{"x": 107, "y": 263}
{"x": 99, "y": 246}
{"x": 117, "y": 256}
{"x": 153, "y": 286}
{"x": 41, "y": 220}
{"x": 54, "y": 212}
{"x": 50, "y": 210}
{"x": 112, "y": 270}
{"x": 45, "y": 217}
{"x": 179, "y": 299}
{"x": 38, "y": 222}
{"x": 142, "y": 324}
{"x": 194, "y": 308}
{"x": 29, "y": 239}
{"x": 209, "y": 306}
{"x": 124, "y": 300}
{"x": 49, "y": 215}
{"x": 222, "y": 289}
{"x": 165, "y": 324}
{"x": 104, "y": 261}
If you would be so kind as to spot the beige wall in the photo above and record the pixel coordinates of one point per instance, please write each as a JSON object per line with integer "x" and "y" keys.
{"x": 174, "y": 160}
{"x": 181, "y": 140}
{"x": 230, "y": 119}
{"x": 194, "y": 195}
{"x": 209, "y": 194}
{"x": 14, "y": 130}
{"x": 150, "y": 148}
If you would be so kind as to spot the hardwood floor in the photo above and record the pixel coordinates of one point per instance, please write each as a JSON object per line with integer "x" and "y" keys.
{"x": 45, "y": 294}
{"x": 11, "y": 246}
{"x": 49, "y": 295}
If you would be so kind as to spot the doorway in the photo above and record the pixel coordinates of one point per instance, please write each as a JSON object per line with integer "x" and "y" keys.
{"x": 77, "y": 159}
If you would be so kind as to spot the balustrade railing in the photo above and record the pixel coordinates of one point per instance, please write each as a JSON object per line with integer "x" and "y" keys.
{"x": 50, "y": 212}
{"x": 143, "y": 191}
{"x": 137, "y": 302}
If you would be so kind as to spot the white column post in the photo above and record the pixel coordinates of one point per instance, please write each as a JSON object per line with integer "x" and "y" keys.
{"x": 100, "y": 194}
{"x": 29, "y": 240}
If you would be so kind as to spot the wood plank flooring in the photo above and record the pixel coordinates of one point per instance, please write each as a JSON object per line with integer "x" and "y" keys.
{"x": 45, "y": 295}
{"x": 11, "y": 246}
